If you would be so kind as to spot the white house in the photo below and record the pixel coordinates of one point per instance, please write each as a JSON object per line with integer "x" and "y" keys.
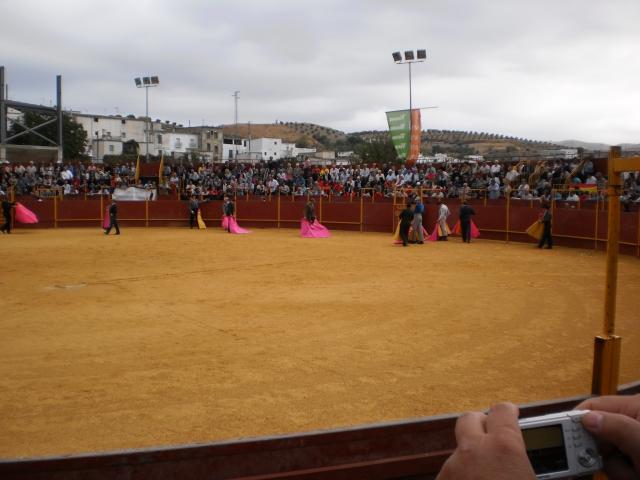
{"x": 265, "y": 149}
{"x": 106, "y": 134}
{"x": 233, "y": 148}
{"x": 269, "y": 148}
{"x": 177, "y": 143}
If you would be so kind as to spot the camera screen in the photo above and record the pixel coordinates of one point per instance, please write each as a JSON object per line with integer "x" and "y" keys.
{"x": 545, "y": 448}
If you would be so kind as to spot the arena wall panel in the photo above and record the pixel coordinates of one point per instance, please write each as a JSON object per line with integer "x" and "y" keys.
{"x": 341, "y": 215}
{"x": 132, "y": 213}
{"x": 377, "y": 217}
{"x": 490, "y": 217}
{"x": 79, "y": 210}
{"x": 629, "y": 227}
{"x": 572, "y": 224}
{"x": 522, "y": 215}
{"x": 602, "y": 224}
{"x": 168, "y": 210}
{"x": 257, "y": 211}
{"x": 292, "y": 211}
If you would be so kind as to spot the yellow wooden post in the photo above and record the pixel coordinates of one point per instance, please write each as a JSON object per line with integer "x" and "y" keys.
{"x": 393, "y": 212}
{"x": 613, "y": 194}
{"x": 606, "y": 358}
{"x": 638, "y": 236}
{"x": 595, "y": 235}
{"x": 507, "y": 219}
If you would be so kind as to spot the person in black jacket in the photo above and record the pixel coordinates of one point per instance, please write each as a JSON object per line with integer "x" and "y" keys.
{"x": 194, "y": 206}
{"x": 309, "y": 212}
{"x": 546, "y": 218}
{"x": 465, "y": 221}
{"x": 113, "y": 218}
{"x": 6, "y": 212}
{"x": 406, "y": 218}
{"x": 228, "y": 209}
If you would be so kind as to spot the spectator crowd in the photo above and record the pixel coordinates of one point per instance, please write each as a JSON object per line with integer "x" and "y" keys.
{"x": 470, "y": 179}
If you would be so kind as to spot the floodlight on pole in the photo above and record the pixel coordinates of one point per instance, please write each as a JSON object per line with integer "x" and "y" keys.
{"x": 236, "y": 96}
{"x": 146, "y": 83}
{"x": 410, "y": 58}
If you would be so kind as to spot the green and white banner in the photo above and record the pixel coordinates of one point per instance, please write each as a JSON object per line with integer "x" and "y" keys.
{"x": 400, "y": 131}
{"x": 406, "y": 141}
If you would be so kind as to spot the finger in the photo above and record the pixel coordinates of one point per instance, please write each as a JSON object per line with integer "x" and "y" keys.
{"x": 503, "y": 416}
{"x": 626, "y": 404}
{"x": 620, "y": 430}
{"x": 470, "y": 427}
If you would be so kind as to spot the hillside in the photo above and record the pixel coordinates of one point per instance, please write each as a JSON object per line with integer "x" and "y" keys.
{"x": 597, "y": 146}
{"x": 266, "y": 130}
{"x": 306, "y": 134}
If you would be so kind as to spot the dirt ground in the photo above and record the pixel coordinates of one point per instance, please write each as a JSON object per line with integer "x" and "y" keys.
{"x": 173, "y": 336}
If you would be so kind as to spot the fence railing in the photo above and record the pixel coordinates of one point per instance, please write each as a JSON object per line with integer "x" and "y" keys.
{"x": 415, "y": 448}
{"x": 505, "y": 219}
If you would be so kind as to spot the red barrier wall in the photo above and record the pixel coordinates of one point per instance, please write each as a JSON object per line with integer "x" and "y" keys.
{"x": 573, "y": 225}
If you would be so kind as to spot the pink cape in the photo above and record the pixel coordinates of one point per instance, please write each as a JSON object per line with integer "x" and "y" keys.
{"x": 437, "y": 231}
{"x": 230, "y": 224}
{"x": 24, "y": 215}
{"x": 105, "y": 220}
{"x": 313, "y": 230}
{"x": 457, "y": 229}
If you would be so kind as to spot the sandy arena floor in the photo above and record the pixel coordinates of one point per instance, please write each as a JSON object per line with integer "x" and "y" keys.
{"x": 172, "y": 336}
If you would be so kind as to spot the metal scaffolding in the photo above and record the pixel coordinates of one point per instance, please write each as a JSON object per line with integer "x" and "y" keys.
{"x": 53, "y": 114}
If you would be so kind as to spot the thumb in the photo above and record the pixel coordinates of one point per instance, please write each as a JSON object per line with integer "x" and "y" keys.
{"x": 620, "y": 430}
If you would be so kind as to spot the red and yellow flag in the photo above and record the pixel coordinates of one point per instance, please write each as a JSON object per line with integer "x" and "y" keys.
{"x": 416, "y": 137}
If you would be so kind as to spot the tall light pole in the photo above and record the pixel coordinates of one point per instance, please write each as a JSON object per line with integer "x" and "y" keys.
{"x": 236, "y": 96}
{"x": 146, "y": 83}
{"x": 409, "y": 58}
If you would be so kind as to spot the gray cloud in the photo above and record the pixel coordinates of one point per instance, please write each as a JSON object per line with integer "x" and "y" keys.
{"x": 544, "y": 70}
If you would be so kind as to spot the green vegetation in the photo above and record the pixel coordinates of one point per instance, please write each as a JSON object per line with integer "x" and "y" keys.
{"x": 74, "y": 137}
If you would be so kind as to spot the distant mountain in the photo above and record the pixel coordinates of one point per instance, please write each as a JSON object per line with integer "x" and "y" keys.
{"x": 596, "y": 146}
{"x": 456, "y": 142}
{"x": 585, "y": 145}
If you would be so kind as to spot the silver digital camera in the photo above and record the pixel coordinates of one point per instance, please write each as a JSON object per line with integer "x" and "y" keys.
{"x": 558, "y": 446}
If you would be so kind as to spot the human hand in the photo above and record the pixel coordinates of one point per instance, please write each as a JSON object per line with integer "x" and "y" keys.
{"x": 615, "y": 423}
{"x": 490, "y": 447}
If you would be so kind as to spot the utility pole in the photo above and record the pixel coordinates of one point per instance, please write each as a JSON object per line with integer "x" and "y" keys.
{"x": 146, "y": 83}
{"x": 235, "y": 96}
{"x": 3, "y": 117}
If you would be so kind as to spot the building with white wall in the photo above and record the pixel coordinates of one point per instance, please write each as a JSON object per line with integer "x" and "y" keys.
{"x": 107, "y": 134}
{"x": 234, "y": 148}
{"x": 271, "y": 149}
{"x": 177, "y": 143}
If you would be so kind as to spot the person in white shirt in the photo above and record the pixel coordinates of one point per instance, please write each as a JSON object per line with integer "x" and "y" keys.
{"x": 523, "y": 189}
{"x": 573, "y": 197}
{"x": 273, "y": 185}
{"x": 443, "y": 214}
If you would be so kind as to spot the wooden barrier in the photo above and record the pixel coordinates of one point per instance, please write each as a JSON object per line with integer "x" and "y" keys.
{"x": 497, "y": 219}
{"x": 412, "y": 449}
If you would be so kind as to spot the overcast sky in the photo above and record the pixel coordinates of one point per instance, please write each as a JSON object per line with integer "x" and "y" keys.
{"x": 544, "y": 69}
